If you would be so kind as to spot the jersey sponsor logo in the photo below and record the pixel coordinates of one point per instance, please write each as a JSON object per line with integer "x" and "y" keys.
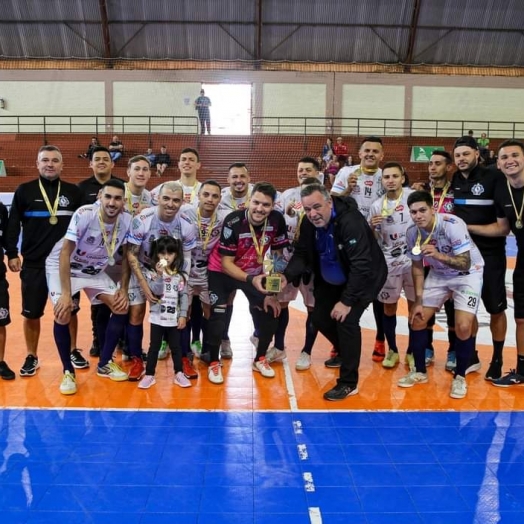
{"x": 81, "y": 253}
{"x": 90, "y": 240}
{"x": 394, "y": 236}
{"x": 456, "y": 243}
{"x": 451, "y": 220}
{"x": 477, "y": 189}
{"x": 400, "y": 207}
{"x": 368, "y": 183}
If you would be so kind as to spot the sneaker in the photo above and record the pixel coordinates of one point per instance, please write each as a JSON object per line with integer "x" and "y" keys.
{"x": 214, "y": 373}
{"x": 188, "y": 369}
{"x": 196, "y": 347}
{"x": 303, "y": 362}
{"x": 137, "y": 370}
{"x": 30, "y": 366}
{"x": 274, "y": 354}
{"x": 254, "y": 341}
{"x": 495, "y": 371}
{"x": 391, "y": 360}
{"x": 412, "y": 378}
{"x": 263, "y": 367}
{"x": 459, "y": 388}
{"x": 112, "y": 371}
{"x": 6, "y": 373}
{"x": 379, "y": 351}
{"x": 509, "y": 379}
{"x": 430, "y": 356}
{"x": 146, "y": 382}
{"x": 334, "y": 361}
{"x": 225, "y": 349}
{"x": 451, "y": 361}
{"x": 181, "y": 380}
{"x": 340, "y": 392}
{"x": 163, "y": 351}
{"x": 68, "y": 384}
{"x": 95, "y": 350}
{"x": 78, "y": 360}
{"x": 409, "y": 361}
{"x": 474, "y": 363}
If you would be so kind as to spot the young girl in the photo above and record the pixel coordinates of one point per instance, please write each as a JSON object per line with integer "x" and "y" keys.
{"x": 168, "y": 315}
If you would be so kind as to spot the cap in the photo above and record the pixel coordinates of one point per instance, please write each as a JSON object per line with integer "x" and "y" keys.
{"x": 467, "y": 140}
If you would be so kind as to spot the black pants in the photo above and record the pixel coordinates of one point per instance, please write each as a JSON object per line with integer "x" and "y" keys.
{"x": 205, "y": 121}
{"x": 172, "y": 336}
{"x": 345, "y": 336}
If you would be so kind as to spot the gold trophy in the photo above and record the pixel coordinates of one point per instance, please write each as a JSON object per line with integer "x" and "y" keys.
{"x": 273, "y": 280}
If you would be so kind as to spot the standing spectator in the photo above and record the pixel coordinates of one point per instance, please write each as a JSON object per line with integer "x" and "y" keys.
{"x": 483, "y": 143}
{"x": 89, "y": 153}
{"x": 151, "y": 157}
{"x": 341, "y": 150}
{"x": 163, "y": 160}
{"x": 202, "y": 105}
{"x": 116, "y": 149}
{"x": 327, "y": 150}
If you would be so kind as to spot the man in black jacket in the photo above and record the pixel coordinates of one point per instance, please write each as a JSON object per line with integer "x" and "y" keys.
{"x": 337, "y": 245}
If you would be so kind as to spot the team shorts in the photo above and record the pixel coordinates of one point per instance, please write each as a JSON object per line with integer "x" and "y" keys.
{"x": 494, "y": 288}
{"x": 465, "y": 290}
{"x": 290, "y": 293}
{"x": 392, "y": 290}
{"x": 136, "y": 295}
{"x": 93, "y": 286}
{"x": 221, "y": 286}
{"x": 34, "y": 292}
{"x": 199, "y": 290}
{"x": 518, "y": 292}
{"x": 5, "y": 317}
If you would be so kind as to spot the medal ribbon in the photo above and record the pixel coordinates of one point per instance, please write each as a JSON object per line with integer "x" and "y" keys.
{"x": 519, "y": 214}
{"x": 54, "y": 208}
{"x": 259, "y": 247}
{"x": 442, "y": 196}
{"x": 419, "y": 236}
{"x": 234, "y": 202}
{"x": 110, "y": 248}
{"x": 192, "y": 195}
{"x": 205, "y": 238}
{"x": 388, "y": 212}
{"x": 129, "y": 200}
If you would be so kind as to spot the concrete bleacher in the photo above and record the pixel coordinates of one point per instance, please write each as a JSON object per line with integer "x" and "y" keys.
{"x": 269, "y": 157}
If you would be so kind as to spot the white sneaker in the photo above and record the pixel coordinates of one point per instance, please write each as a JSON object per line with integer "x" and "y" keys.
{"x": 181, "y": 380}
{"x": 112, "y": 371}
{"x": 412, "y": 378}
{"x": 303, "y": 362}
{"x": 263, "y": 367}
{"x": 68, "y": 384}
{"x": 214, "y": 373}
{"x": 147, "y": 381}
{"x": 274, "y": 354}
{"x": 225, "y": 349}
{"x": 459, "y": 388}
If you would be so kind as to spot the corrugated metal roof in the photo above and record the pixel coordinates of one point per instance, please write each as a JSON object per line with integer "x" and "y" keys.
{"x": 471, "y": 32}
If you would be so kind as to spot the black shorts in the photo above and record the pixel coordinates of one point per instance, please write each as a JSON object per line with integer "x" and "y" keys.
{"x": 222, "y": 285}
{"x": 494, "y": 283}
{"x": 5, "y": 317}
{"x": 518, "y": 292}
{"x": 34, "y": 292}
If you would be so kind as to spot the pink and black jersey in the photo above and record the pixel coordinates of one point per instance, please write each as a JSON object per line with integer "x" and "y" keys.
{"x": 236, "y": 241}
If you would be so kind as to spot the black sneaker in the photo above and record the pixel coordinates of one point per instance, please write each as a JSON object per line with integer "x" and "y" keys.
{"x": 95, "y": 349}
{"x": 5, "y": 372}
{"x": 474, "y": 363}
{"x": 494, "y": 371}
{"x": 77, "y": 359}
{"x": 30, "y": 366}
{"x": 340, "y": 392}
{"x": 333, "y": 362}
{"x": 510, "y": 379}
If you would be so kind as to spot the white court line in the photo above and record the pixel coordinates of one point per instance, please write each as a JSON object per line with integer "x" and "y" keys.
{"x": 315, "y": 516}
{"x": 290, "y": 387}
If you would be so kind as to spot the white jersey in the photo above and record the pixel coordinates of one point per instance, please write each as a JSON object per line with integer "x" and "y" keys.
{"x": 367, "y": 190}
{"x": 289, "y": 196}
{"x": 135, "y": 203}
{"x": 392, "y": 232}
{"x": 450, "y": 237}
{"x": 229, "y": 203}
{"x": 199, "y": 255}
{"x": 90, "y": 256}
{"x": 173, "y": 302}
{"x": 190, "y": 192}
{"x": 147, "y": 226}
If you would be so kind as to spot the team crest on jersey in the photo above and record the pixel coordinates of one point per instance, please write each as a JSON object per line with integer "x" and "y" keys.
{"x": 90, "y": 240}
{"x": 63, "y": 201}
{"x": 3, "y": 313}
{"x": 213, "y": 298}
{"x": 384, "y": 295}
{"x": 448, "y": 207}
{"x": 227, "y": 232}
{"x": 477, "y": 189}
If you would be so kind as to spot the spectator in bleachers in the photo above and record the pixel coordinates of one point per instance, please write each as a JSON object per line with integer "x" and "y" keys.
{"x": 151, "y": 157}
{"x": 89, "y": 153}
{"x": 327, "y": 150}
{"x": 341, "y": 150}
{"x": 483, "y": 143}
{"x": 163, "y": 160}
{"x": 116, "y": 149}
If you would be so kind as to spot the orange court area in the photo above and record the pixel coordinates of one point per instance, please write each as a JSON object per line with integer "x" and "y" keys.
{"x": 243, "y": 389}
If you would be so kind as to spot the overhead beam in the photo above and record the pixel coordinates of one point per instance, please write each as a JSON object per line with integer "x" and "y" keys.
{"x": 413, "y": 32}
{"x": 105, "y": 28}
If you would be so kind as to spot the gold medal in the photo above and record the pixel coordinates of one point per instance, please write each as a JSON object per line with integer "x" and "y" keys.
{"x": 110, "y": 246}
{"x": 416, "y": 250}
{"x": 53, "y": 220}
{"x": 518, "y": 224}
{"x": 260, "y": 259}
{"x": 111, "y": 261}
{"x": 258, "y": 244}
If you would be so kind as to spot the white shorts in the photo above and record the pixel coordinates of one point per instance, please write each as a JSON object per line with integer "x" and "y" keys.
{"x": 93, "y": 286}
{"x": 464, "y": 289}
{"x": 390, "y": 293}
{"x": 290, "y": 293}
{"x": 136, "y": 295}
{"x": 200, "y": 290}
